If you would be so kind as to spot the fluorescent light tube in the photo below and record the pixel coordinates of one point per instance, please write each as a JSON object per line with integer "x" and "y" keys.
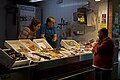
{"x": 35, "y": 0}
{"x": 97, "y": 0}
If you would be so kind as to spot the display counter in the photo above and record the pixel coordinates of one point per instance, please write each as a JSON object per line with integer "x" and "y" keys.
{"x": 64, "y": 68}
{"x": 57, "y": 64}
{"x": 33, "y": 60}
{"x": 53, "y": 68}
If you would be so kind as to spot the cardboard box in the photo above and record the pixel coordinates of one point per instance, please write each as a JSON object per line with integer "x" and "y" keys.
{"x": 30, "y": 45}
{"x": 42, "y": 43}
{"x": 16, "y": 45}
{"x": 8, "y": 61}
{"x": 68, "y": 44}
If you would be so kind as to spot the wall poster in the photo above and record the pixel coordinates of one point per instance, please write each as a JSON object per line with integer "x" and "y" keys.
{"x": 103, "y": 21}
{"x": 26, "y": 13}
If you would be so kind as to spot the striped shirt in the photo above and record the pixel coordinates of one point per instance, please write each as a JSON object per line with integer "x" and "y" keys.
{"x": 27, "y": 33}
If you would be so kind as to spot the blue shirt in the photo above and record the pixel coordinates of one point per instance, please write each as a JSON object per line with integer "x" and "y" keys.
{"x": 49, "y": 32}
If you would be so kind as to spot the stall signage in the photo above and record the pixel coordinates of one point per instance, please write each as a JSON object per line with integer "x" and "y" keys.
{"x": 103, "y": 21}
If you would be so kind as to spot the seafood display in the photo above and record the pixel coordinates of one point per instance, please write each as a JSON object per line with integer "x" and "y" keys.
{"x": 29, "y": 49}
{"x": 16, "y": 45}
{"x": 39, "y": 50}
{"x": 68, "y": 44}
{"x": 42, "y": 43}
{"x": 16, "y": 56}
{"x": 29, "y": 44}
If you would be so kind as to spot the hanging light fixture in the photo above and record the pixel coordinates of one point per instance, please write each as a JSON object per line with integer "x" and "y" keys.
{"x": 35, "y": 0}
{"x": 97, "y": 0}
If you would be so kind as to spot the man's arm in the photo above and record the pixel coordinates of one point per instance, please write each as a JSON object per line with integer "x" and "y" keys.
{"x": 42, "y": 31}
{"x": 55, "y": 34}
{"x": 42, "y": 35}
{"x": 55, "y": 37}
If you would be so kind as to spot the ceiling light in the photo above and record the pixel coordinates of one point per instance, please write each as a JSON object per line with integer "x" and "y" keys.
{"x": 97, "y": 0}
{"x": 74, "y": 4}
{"x": 35, "y": 0}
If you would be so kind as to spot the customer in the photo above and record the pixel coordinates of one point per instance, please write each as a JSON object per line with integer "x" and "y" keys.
{"x": 29, "y": 32}
{"x": 49, "y": 32}
{"x": 103, "y": 51}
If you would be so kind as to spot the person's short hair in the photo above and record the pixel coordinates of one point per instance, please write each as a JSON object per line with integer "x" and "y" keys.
{"x": 104, "y": 31}
{"x": 49, "y": 19}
